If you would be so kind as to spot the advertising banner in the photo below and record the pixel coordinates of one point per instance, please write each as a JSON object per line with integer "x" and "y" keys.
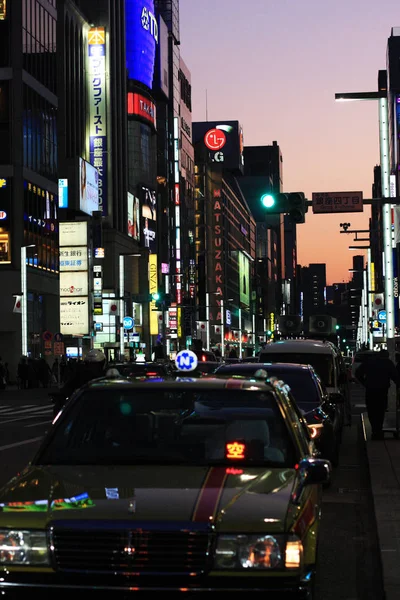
{"x": 244, "y": 279}
{"x": 74, "y": 315}
{"x": 96, "y": 73}
{"x": 74, "y": 283}
{"x": 74, "y": 287}
{"x": 141, "y": 40}
{"x": 223, "y": 140}
{"x": 73, "y": 258}
{"x": 153, "y": 288}
{"x": 149, "y": 216}
{"x": 73, "y": 233}
{"x": 162, "y": 53}
{"x": 88, "y": 187}
{"x": 133, "y": 217}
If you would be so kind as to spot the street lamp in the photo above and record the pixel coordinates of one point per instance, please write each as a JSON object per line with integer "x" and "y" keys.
{"x": 24, "y": 301}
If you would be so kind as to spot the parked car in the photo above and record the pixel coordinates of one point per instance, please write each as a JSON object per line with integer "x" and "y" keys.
{"x": 147, "y": 369}
{"x": 326, "y": 359}
{"x": 195, "y": 486}
{"x": 319, "y": 409}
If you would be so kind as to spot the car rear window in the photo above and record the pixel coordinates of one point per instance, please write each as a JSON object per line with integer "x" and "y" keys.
{"x": 322, "y": 363}
{"x": 300, "y": 381}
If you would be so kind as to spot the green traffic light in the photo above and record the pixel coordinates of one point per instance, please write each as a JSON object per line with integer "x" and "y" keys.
{"x": 268, "y": 200}
{"x": 155, "y": 296}
{"x": 337, "y": 326}
{"x": 269, "y": 332}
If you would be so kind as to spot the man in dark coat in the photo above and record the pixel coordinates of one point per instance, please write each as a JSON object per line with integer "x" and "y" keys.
{"x": 375, "y": 374}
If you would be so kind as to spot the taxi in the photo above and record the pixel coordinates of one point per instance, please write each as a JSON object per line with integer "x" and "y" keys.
{"x": 186, "y": 485}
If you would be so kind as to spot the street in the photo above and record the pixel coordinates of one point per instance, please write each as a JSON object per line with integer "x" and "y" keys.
{"x": 25, "y": 415}
{"x": 349, "y": 560}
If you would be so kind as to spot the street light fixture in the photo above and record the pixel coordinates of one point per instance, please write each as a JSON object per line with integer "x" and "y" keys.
{"x": 24, "y": 301}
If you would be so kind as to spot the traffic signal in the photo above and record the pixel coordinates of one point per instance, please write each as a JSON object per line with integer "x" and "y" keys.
{"x": 155, "y": 296}
{"x": 161, "y": 300}
{"x": 293, "y": 204}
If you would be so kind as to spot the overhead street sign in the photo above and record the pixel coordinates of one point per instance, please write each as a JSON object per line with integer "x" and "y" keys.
{"x": 337, "y": 202}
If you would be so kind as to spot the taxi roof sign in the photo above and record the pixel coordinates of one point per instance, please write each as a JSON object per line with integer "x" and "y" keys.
{"x": 186, "y": 360}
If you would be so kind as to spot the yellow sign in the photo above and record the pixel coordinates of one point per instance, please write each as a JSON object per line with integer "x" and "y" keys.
{"x": 153, "y": 288}
{"x": 3, "y": 183}
{"x": 3, "y": 9}
{"x": 179, "y": 322}
{"x": 96, "y": 36}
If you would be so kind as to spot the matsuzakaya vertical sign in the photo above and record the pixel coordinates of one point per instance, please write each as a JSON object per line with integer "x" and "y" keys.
{"x": 98, "y": 109}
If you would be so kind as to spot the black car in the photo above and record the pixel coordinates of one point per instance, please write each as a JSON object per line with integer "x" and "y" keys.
{"x": 317, "y": 405}
{"x": 144, "y": 369}
{"x": 166, "y": 486}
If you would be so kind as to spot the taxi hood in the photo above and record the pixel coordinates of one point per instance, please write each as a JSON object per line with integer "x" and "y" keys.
{"x": 228, "y": 497}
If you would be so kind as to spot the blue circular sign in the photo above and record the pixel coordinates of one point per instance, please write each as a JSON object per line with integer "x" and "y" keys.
{"x": 382, "y": 316}
{"x": 186, "y": 360}
{"x": 128, "y": 323}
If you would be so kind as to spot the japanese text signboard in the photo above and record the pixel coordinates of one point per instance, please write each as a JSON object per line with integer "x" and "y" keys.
{"x": 337, "y": 202}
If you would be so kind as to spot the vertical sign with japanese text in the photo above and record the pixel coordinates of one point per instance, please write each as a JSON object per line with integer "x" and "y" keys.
{"x": 98, "y": 109}
{"x": 153, "y": 289}
{"x": 74, "y": 288}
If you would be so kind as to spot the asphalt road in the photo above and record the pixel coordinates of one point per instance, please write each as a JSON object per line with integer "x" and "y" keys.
{"x": 349, "y": 559}
{"x": 25, "y": 415}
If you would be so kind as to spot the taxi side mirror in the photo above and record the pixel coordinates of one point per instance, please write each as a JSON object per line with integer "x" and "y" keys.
{"x": 311, "y": 471}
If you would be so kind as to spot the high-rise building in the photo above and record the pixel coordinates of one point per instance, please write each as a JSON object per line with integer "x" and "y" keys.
{"x": 28, "y": 178}
{"x": 313, "y": 291}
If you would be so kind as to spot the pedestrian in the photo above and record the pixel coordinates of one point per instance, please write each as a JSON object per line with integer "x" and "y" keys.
{"x": 375, "y": 374}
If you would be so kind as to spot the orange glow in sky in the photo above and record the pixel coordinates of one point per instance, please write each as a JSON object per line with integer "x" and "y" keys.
{"x": 275, "y": 67}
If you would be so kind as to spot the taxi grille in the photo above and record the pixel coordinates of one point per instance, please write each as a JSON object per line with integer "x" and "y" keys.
{"x": 131, "y": 551}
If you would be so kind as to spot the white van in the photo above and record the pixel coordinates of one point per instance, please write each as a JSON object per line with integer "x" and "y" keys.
{"x": 327, "y": 362}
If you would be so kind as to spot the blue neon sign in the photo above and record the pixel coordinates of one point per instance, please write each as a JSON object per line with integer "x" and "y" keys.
{"x": 141, "y": 40}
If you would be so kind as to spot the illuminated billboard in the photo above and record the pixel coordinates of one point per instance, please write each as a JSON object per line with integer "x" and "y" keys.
{"x": 74, "y": 284}
{"x": 88, "y": 187}
{"x": 141, "y": 40}
{"x": 244, "y": 279}
{"x": 142, "y": 107}
{"x": 223, "y": 140}
{"x": 149, "y": 218}
{"x": 133, "y": 217}
{"x": 97, "y": 82}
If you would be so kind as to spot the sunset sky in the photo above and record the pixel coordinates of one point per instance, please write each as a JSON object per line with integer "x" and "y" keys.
{"x": 275, "y": 66}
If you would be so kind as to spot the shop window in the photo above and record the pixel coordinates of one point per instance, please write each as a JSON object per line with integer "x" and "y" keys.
{"x": 5, "y": 248}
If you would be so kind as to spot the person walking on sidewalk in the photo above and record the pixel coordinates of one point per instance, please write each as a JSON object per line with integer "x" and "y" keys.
{"x": 375, "y": 375}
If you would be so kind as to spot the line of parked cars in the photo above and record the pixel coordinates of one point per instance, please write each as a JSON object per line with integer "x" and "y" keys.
{"x": 152, "y": 479}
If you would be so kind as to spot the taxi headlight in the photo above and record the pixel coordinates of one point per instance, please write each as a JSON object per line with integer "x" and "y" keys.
{"x": 259, "y": 552}
{"x": 21, "y": 547}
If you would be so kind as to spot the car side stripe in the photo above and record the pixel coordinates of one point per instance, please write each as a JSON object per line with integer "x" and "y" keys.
{"x": 210, "y": 495}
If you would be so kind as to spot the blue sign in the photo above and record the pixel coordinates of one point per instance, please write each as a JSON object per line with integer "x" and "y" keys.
{"x": 382, "y": 316}
{"x": 63, "y": 193}
{"x": 141, "y": 40}
{"x": 186, "y": 360}
{"x": 228, "y": 319}
{"x": 128, "y": 323}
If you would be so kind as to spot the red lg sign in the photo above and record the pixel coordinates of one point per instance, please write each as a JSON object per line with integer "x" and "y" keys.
{"x": 215, "y": 139}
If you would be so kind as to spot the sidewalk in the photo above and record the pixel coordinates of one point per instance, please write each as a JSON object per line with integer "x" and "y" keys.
{"x": 384, "y": 468}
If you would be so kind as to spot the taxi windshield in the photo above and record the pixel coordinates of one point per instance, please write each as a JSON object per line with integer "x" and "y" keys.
{"x": 143, "y": 426}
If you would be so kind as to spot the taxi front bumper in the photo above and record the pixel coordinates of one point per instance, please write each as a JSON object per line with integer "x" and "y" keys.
{"x": 16, "y": 585}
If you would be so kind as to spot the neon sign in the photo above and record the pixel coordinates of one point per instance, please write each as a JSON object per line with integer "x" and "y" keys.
{"x": 235, "y": 450}
{"x": 215, "y": 139}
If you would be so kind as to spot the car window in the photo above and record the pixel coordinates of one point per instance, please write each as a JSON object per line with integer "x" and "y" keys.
{"x": 322, "y": 363}
{"x": 300, "y": 381}
{"x": 130, "y": 427}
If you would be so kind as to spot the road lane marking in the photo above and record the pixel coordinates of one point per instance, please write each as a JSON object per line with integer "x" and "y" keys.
{"x": 37, "y": 424}
{"x": 16, "y": 444}
{"x": 37, "y": 409}
{"x": 22, "y": 418}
